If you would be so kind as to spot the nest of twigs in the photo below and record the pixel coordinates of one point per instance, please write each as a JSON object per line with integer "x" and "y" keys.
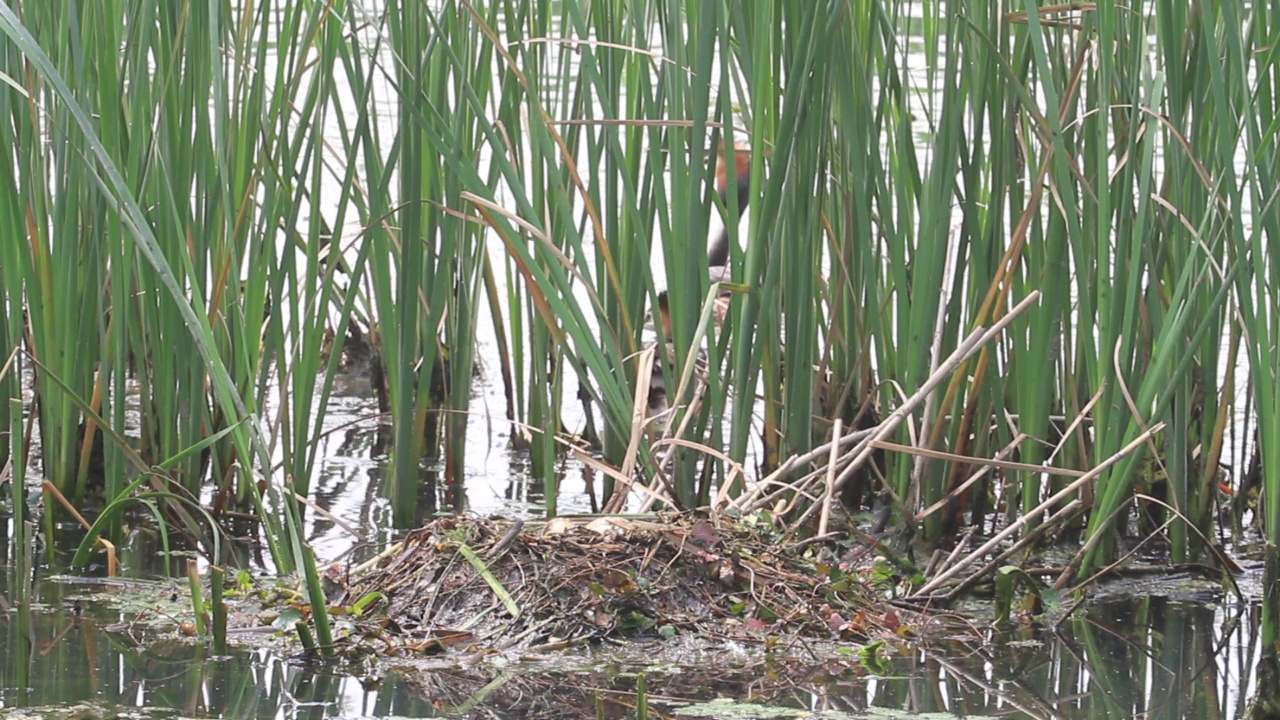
{"x": 555, "y": 584}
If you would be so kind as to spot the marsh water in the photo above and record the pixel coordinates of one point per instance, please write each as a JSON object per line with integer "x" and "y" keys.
{"x": 98, "y": 649}
{"x": 1180, "y": 646}
{"x": 91, "y": 648}
{"x": 1177, "y": 646}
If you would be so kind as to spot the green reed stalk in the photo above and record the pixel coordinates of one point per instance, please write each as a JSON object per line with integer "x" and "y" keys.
{"x": 1243, "y": 96}
{"x": 12, "y": 319}
{"x": 856, "y": 295}
{"x": 312, "y": 283}
{"x": 549, "y": 261}
{"x": 781, "y": 257}
{"x": 20, "y": 561}
{"x": 689, "y": 41}
{"x": 219, "y": 188}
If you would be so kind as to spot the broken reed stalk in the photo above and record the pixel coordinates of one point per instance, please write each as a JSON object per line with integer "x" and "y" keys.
{"x": 694, "y": 370}
{"x": 935, "y": 354}
{"x": 1066, "y": 514}
{"x": 671, "y": 441}
{"x": 735, "y": 469}
{"x": 774, "y": 478}
{"x": 591, "y": 461}
{"x": 829, "y": 493}
{"x": 981, "y": 472}
{"x": 1227, "y": 566}
{"x": 955, "y": 551}
{"x": 967, "y": 349}
{"x": 639, "y": 405}
{"x": 1063, "y": 578}
{"x": 1023, "y": 519}
{"x": 862, "y": 451}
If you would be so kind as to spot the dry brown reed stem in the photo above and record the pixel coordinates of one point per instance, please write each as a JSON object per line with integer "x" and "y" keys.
{"x": 773, "y": 478}
{"x": 623, "y": 481}
{"x": 756, "y": 498}
{"x": 1022, "y": 520}
{"x": 736, "y": 470}
{"x": 1067, "y": 513}
{"x": 351, "y": 529}
{"x": 862, "y": 452}
{"x": 639, "y": 406}
{"x": 987, "y": 466}
{"x": 935, "y": 353}
{"x": 955, "y": 551}
{"x": 674, "y": 440}
{"x": 1175, "y": 514}
{"x": 1065, "y": 576}
{"x": 976, "y": 340}
{"x": 829, "y": 492}
{"x": 1075, "y": 424}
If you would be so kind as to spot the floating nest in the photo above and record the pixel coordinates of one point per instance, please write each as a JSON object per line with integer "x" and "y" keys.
{"x": 548, "y": 585}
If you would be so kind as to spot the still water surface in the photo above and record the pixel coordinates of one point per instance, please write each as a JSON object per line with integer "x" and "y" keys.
{"x": 1125, "y": 657}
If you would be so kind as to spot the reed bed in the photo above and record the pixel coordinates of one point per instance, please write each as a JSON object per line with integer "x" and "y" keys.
{"x": 202, "y": 203}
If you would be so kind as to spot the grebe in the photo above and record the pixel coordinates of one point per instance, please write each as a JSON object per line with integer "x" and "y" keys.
{"x": 718, "y": 250}
{"x": 718, "y": 271}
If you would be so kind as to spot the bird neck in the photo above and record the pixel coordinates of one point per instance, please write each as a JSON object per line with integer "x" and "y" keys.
{"x": 718, "y": 250}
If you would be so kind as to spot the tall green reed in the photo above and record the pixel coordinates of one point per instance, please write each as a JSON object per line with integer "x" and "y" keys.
{"x": 166, "y": 114}
{"x": 1050, "y": 166}
{"x": 1076, "y": 162}
{"x": 1241, "y": 99}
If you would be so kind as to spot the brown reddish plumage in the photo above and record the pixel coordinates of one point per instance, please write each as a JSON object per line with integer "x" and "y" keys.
{"x": 718, "y": 268}
{"x": 718, "y": 250}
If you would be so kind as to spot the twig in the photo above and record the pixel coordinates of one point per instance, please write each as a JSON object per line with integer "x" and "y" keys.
{"x": 966, "y": 349}
{"x": 1122, "y": 559}
{"x": 975, "y": 477}
{"x": 825, "y": 518}
{"x": 1057, "y": 497}
{"x": 751, "y": 498}
{"x": 675, "y": 439}
{"x": 1071, "y": 510}
{"x": 975, "y": 340}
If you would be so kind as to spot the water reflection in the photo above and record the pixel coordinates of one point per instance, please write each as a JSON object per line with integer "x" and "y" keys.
{"x": 1149, "y": 658}
{"x": 351, "y": 480}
